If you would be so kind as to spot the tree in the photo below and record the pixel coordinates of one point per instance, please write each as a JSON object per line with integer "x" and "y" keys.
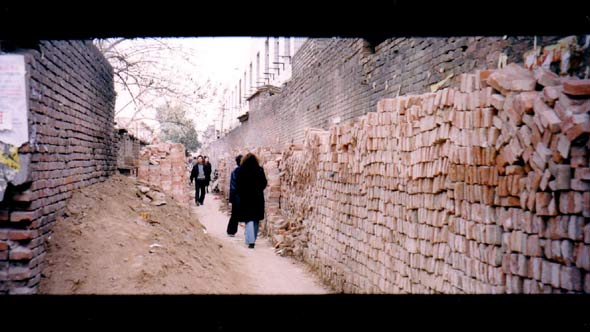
{"x": 176, "y": 127}
{"x": 154, "y": 71}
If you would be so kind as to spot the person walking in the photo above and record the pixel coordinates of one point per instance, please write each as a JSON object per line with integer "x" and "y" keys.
{"x": 198, "y": 174}
{"x": 232, "y": 225}
{"x": 207, "y": 168}
{"x": 250, "y": 185}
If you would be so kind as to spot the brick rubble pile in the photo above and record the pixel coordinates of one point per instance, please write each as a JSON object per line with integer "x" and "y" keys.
{"x": 164, "y": 165}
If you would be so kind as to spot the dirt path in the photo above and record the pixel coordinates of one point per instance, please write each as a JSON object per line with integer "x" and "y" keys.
{"x": 113, "y": 241}
{"x": 272, "y": 274}
{"x": 105, "y": 246}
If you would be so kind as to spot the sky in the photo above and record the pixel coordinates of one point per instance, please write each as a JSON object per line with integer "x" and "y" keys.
{"x": 220, "y": 59}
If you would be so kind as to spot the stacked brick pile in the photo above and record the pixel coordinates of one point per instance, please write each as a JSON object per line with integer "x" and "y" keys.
{"x": 465, "y": 190}
{"x": 544, "y": 180}
{"x": 298, "y": 178}
{"x": 164, "y": 165}
{"x": 269, "y": 160}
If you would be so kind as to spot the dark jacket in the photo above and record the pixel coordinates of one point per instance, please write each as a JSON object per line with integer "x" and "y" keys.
{"x": 232, "y": 185}
{"x": 207, "y": 170}
{"x": 195, "y": 173}
{"x": 250, "y": 194}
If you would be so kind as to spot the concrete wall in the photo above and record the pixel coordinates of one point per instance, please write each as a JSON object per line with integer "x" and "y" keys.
{"x": 71, "y": 145}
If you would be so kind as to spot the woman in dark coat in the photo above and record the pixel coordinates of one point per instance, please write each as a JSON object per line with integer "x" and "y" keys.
{"x": 250, "y": 184}
{"x": 232, "y": 226}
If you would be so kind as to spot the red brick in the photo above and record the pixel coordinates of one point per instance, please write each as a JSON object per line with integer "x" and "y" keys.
{"x": 550, "y": 120}
{"x": 533, "y": 247}
{"x": 484, "y": 74}
{"x": 497, "y": 102}
{"x": 22, "y": 216}
{"x": 546, "y": 77}
{"x": 582, "y": 173}
{"x": 545, "y": 204}
{"x": 21, "y": 253}
{"x": 576, "y": 125}
{"x": 19, "y": 273}
{"x": 3, "y": 246}
{"x": 562, "y": 174}
{"x": 576, "y": 228}
{"x": 551, "y": 93}
{"x": 534, "y": 180}
{"x": 541, "y": 156}
{"x": 512, "y": 78}
{"x": 571, "y": 278}
{"x": 510, "y": 201}
{"x": 526, "y": 100}
{"x": 586, "y": 204}
{"x": 580, "y": 185}
{"x": 557, "y": 228}
{"x": 534, "y": 268}
{"x": 546, "y": 268}
{"x": 577, "y": 87}
{"x": 582, "y": 256}
{"x": 563, "y": 145}
{"x": 545, "y": 180}
{"x": 21, "y": 234}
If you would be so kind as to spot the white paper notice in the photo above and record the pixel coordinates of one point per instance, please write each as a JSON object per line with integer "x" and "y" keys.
{"x": 14, "y": 127}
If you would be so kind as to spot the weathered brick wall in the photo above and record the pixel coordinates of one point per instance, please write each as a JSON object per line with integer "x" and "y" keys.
{"x": 71, "y": 145}
{"x": 344, "y": 78}
{"x": 465, "y": 190}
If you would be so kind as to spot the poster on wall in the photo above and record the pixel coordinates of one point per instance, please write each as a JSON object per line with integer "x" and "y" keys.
{"x": 13, "y": 100}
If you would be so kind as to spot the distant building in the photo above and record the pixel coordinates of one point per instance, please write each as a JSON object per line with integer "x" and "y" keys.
{"x": 269, "y": 64}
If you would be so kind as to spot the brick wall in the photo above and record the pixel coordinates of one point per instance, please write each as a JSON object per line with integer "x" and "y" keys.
{"x": 71, "y": 145}
{"x": 425, "y": 223}
{"x": 433, "y": 194}
{"x": 344, "y": 78}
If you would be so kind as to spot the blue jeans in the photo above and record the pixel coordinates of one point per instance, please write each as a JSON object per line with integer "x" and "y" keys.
{"x": 251, "y": 231}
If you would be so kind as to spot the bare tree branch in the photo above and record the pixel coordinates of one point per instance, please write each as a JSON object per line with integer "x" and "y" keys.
{"x": 144, "y": 70}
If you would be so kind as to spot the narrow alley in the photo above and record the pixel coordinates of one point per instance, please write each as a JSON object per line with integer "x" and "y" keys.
{"x": 403, "y": 165}
{"x": 269, "y": 273}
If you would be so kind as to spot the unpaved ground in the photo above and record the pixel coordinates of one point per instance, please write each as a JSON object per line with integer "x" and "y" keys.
{"x": 113, "y": 242}
{"x": 106, "y": 246}
{"x": 273, "y": 274}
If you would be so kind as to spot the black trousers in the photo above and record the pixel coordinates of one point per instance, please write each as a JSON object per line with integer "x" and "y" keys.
{"x": 232, "y": 225}
{"x": 200, "y": 191}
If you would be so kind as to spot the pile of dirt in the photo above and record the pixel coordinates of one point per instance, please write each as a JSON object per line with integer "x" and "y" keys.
{"x": 123, "y": 236}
